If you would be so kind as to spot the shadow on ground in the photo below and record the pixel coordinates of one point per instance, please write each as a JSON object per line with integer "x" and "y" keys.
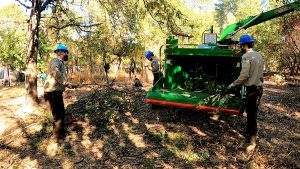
{"x": 110, "y": 128}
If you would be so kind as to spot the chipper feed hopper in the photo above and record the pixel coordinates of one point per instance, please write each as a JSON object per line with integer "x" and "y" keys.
{"x": 196, "y": 76}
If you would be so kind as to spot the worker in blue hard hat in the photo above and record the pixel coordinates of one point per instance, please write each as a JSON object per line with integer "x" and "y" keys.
{"x": 54, "y": 87}
{"x": 251, "y": 76}
{"x": 155, "y": 67}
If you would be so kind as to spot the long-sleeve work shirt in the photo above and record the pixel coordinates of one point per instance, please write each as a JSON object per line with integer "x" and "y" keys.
{"x": 56, "y": 76}
{"x": 155, "y": 67}
{"x": 252, "y": 69}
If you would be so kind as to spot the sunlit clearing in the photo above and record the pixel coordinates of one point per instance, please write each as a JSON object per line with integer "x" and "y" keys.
{"x": 155, "y": 127}
{"x": 165, "y": 165}
{"x": 97, "y": 149}
{"x": 278, "y": 108}
{"x": 20, "y": 142}
{"x": 34, "y": 128}
{"x": 67, "y": 163}
{"x": 115, "y": 130}
{"x": 197, "y": 131}
{"x": 275, "y": 91}
{"x": 29, "y": 163}
{"x": 73, "y": 136}
{"x": 297, "y": 114}
{"x": 152, "y": 154}
{"x": 133, "y": 120}
{"x": 86, "y": 142}
{"x": 3, "y": 126}
{"x": 19, "y": 100}
{"x": 25, "y": 109}
{"x": 190, "y": 156}
{"x": 137, "y": 140}
{"x": 52, "y": 149}
{"x": 179, "y": 135}
{"x": 40, "y": 91}
{"x": 117, "y": 133}
{"x": 3, "y": 89}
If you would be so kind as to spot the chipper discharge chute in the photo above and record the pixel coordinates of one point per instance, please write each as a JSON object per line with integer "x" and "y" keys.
{"x": 196, "y": 76}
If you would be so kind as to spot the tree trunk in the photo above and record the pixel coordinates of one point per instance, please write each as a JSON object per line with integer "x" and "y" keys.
{"x": 8, "y": 74}
{"x": 31, "y": 70}
{"x": 142, "y": 68}
{"x": 76, "y": 60}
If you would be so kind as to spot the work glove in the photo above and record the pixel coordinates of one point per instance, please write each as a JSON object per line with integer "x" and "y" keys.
{"x": 230, "y": 86}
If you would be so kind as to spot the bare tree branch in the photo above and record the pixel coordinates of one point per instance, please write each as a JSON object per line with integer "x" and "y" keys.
{"x": 159, "y": 22}
{"x": 46, "y": 3}
{"x": 78, "y": 24}
{"x": 21, "y": 3}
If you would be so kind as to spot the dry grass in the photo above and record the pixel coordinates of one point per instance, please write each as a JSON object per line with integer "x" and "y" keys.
{"x": 86, "y": 78}
{"x": 97, "y": 78}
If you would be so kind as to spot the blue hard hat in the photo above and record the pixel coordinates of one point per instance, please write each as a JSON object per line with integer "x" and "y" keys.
{"x": 148, "y": 54}
{"x": 246, "y": 39}
{"x": 61, "y": 47}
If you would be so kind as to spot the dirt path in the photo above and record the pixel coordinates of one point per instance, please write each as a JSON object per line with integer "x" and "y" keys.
{"x": 141, "y": 138}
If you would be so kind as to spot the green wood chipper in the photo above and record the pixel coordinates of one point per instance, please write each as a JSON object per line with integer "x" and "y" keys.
{"x": 196, "y": 76}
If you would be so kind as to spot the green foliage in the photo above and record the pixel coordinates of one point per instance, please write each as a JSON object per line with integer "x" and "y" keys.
{"x": 189, "y": 156}
{"x": 12, "y": 37}
{"x": 181, "y": 144}
{"x": 116, "y": 31}
{"x": 205, "y": 83}
{"x": 167, "y": 154}
{"x": 45, "y": 48}
{"x": 148, "y": 163}
{"x": 157, "y": 136}
{"x": 223, "y": 8}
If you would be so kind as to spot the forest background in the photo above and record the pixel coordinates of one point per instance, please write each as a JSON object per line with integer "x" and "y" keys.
{"x": 118, "y": 33}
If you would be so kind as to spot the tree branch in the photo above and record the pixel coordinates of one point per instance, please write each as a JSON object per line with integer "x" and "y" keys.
{"x": 21, "y": 3}
{"x": 46, "y": 3}
{"x": 159, "y": 22}
{"x": 78, "y": 24}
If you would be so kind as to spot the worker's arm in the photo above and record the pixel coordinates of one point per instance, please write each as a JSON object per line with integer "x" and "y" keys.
{"x": 244, "y": 74}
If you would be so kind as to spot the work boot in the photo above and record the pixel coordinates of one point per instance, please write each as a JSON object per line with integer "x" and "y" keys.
{"x": 250, "y": 136}
{"x": 243, "y": 145}
{"x": 252, "y": 139}
{"x": 59, "y": 138}
{"x": 247, "y": 137}
{"x": 252, "y": 144}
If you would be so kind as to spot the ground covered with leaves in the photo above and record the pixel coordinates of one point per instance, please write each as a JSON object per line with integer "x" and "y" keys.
{"x": 112, "y": 127}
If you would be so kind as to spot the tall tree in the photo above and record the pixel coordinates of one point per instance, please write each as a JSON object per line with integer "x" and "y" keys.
{"x": 36, "y": 8}
{"x": 291, "y": 38}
